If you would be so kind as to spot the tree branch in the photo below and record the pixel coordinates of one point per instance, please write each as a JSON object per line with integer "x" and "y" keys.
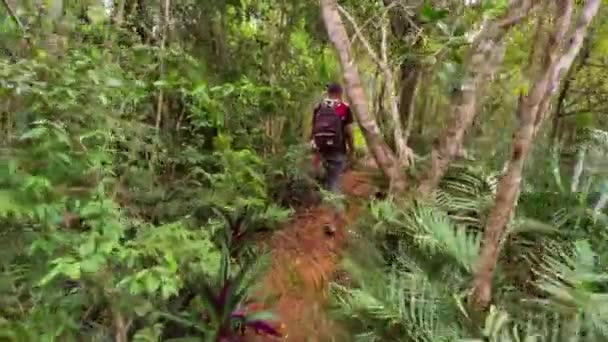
{"x": 600, "y": 110}
{"x": 575, "y": 42}
{"x": 596, "y": 65}
{"x": 373, "y": 18}
{"x": 372, "y": 53}
{"x": 531, "y": 109}
{"x": 484, "y": 57}
{"x": 518, "y": 16}
{"x": 165, "y": 25}
{"x": 404, "y": 153}
{"x": 382, "y": 153}
{"x": 13, "y": 15}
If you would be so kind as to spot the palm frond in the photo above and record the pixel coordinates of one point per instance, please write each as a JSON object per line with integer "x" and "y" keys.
{"x": 429, "y": 229}
{"x": 406, "y": 304}
{"x": 574, "y": 285}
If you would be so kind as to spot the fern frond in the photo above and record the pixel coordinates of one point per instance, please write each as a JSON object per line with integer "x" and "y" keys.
{"x": 407, "y": 305}
{"x": 572, "y": 281}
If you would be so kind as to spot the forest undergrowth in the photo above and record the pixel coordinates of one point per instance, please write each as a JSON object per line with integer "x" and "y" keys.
{"x": 156, "y": 182}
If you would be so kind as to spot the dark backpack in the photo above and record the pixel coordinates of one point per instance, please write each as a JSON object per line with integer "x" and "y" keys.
{"x": 327, "y": 129}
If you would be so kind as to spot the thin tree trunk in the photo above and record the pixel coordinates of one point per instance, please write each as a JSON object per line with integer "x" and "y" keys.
{"x": 121, "y": 327}
{"x": 561, "y": 99}
{"x": 531, "y": 110}
{"x": 55, "y": 9}
{"x": 578, "y": 168}
{"x": 379, "y": 110}
{"x": 559, "y": 108}
{"x": 384, "y": 157}
{"x": 430, "y": 107}
{"x": 410, "y": 76}
{"x": 11, "y": 11}
{"x": 165, "y": 24}
{"x": 404, "y": 153}
{"x": 486, "y": 55}
{"x": 601, "y": 203}
{"x": 119, "y": 13}
{"x": 404, "y": 24}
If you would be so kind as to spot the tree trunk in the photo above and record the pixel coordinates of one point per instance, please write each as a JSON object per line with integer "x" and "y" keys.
{"x": 410, "y": 75}
{"x": 11, "y": 8}
{"x": 579, "y": 167}
{"x": 487, "y": 52}
{"x": 379, "y": 93}
{"x": 121, "y": 327}
{"x": 601, "y": 203}
{"x": 563, "y": 94}
{"x": 559, "y": 108}
{"x": 166, "y": 10}
{"x": 384, "y": 157}
{"x": 530, "y": 111}
{"x": 55, "y": 9}
{"x": 119, "y": 11}
{"x": 403, "y": 25}
{"x": 404, "y": 153}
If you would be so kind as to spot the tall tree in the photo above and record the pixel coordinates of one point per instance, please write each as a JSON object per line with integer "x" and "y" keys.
{"x": 486, "y": 54}
{"x": 559, "y": 113}
{"x": 404, "y": 25}
{"x": 386, "y": 159}
{"x": 558, "y": 56}
{"x": 404, "y": 153}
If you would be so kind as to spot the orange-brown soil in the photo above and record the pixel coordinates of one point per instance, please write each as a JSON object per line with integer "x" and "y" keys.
{"x": 304, "y": 260}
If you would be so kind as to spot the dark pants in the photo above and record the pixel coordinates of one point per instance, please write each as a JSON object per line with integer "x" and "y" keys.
{"x": 335, "y": 166}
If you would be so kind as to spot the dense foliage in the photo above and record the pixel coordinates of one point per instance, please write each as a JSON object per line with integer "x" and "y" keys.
{"x": 130, "y": 157}
{"x": 146, "y": 146}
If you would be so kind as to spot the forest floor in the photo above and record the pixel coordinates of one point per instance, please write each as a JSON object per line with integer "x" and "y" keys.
{"x": 305, "y": 260}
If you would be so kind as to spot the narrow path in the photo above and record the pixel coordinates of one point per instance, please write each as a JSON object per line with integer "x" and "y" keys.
{"x": 304, "y": 261}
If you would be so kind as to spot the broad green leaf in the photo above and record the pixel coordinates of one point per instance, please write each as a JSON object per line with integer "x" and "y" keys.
{"x": 92, "y": 264}
{"x": 152, "y": 282}
{"x": 34, "y": 133}
{"x": 430, "y": 13}
{"x": 71, "y": 270}
{"x": 88, "y": 247}
{"x": 97, "y": 13}
{"x": 261, "y": 316}
{"x": 143, "y": 309}
{"x": 114, "y": 82}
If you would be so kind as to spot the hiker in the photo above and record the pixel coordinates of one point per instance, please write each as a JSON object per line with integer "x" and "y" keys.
{"x": 332, "y": 137}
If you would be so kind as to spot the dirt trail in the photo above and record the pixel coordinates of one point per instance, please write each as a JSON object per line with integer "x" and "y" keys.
{"x": 304, "y": 261}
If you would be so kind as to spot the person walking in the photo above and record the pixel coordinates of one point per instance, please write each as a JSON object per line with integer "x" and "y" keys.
{"x": 332, "y": 138}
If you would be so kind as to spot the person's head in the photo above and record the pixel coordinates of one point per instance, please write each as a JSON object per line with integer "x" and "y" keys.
{"x": 334, "y": 91}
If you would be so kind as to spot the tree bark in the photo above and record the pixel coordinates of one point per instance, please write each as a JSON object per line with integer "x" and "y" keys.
{"x": 487, "y": 52}
{"x": 563, "y": 94}
{"x": 119, "y": 11}
{"x": 164, "y": 29}
{"x": 11, "y": 9}
{"x": 55, "y": 9}
{"x": 559, "y": 108}
{"x": 404, "y": 25}
{"x": 601, "y": 203}
{"x": 579, "y": 167}
{"x": 530, "y": 112}
{"x": 410, "y": 75}
{"x": 384, "y": 157}
{"x": 404, "y": 153}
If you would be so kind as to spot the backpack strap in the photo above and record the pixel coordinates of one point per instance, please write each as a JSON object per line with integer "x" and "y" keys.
{"x": 330, "y": 103}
